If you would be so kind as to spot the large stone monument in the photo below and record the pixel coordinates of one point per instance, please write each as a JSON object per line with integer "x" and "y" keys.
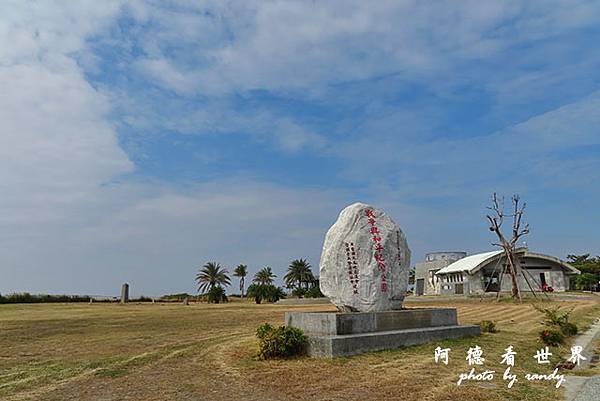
{"x": 365, "y": 261}
{"x": 364, "y": 271}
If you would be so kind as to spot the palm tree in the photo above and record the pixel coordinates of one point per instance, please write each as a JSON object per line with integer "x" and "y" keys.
{"x": 264, "y": 276}
{"x": 241, "y": 271}
{"x": 212, "y": 275}
{"x": 299, "y": 272}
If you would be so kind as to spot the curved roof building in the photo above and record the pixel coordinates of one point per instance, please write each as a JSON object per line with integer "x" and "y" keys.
{"x": 485, "y": 272}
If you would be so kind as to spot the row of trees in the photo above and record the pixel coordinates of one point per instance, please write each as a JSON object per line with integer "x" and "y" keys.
{"x": 589, "y": 278}
{"x": 212, "y": 280}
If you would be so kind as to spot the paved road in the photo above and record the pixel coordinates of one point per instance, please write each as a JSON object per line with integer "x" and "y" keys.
{"x": 580, "y": 388}
{"x": 590, "y": 390}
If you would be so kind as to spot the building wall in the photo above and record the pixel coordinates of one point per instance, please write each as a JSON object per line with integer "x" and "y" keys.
{"x": 477, "y": 284}
{"x": 426, "y": 271}
{"x": 474, "y": 284}
{"x": 449, "y": 256}
{"x": 434, "y": 261}
{"x": 554, "y": 278}
{"x": 554, "y": 275}
{"x": 455, "y": 284}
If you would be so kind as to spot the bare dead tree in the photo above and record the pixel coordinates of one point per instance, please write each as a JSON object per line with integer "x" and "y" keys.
{"x": 496, "y": 219}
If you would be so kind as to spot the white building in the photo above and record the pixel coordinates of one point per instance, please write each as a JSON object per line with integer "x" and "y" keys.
{"x": 480, "y": 273}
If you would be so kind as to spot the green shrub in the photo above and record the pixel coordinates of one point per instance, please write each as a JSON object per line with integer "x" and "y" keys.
{"x": 141, "y": 298}
{"x": 556, "y": 319}
{"x": 568, "y": 329}
{"x": 263, "y": 330}
{"x": 280, "y": 342}
{"x": 299, "y": 292}
{"x": 553, "y": 317}
{"x": 487, "y": 326}
{"x": 27, "y": 298}
{"x": 216, "y": 294}
{"x": 177, "y": 297}
{"x": 265, "y": 292}
{"x": 552, "y": 337}
{"x": 314, "y": 292}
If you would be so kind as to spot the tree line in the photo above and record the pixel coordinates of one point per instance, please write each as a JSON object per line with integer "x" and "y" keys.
{"x": 589, "y": 278}
{"x": 212, "y": 279}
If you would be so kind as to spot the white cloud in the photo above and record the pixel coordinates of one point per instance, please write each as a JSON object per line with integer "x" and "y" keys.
{"x": 217, "y": 50}
{"x": 31, "y": 31}
{"x": 68, "y": 226}
{"x": 281, "y": 45}
{"x": 166, "y": 75}
{"x": 55, "y": 144}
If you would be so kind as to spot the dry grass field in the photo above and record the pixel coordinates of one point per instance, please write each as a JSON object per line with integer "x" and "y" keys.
{"x": 206, "y": 352}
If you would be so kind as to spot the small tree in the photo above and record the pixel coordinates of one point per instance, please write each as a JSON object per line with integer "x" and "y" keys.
{"x": 586, "y": 281}
{"x": 299, "y": 275}
{"x": 212, "y": 275}
{"x": 264, "y": 276}
{"x": 496, "y": 219}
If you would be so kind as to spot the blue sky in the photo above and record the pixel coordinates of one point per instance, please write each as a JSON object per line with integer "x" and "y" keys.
{"x": 141, "y": 139}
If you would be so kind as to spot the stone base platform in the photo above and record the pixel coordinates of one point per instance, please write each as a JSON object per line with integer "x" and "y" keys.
{"x": 342, "y": 334}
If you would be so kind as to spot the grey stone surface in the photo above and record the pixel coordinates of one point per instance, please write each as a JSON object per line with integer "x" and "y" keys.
{"x": 342, "y": 334}
{"x": 304, "y": 301}
{"x": 584, "y": 388}
{"x": 125, "y": 293}
{"x": 587, "y": 341}
{"x": 572, "y": 386}
{"x": 365, "y": 261}
{"x": 353, "y": 344}
{"x": 590, "y": 390}
{"x": 331, "y": 323}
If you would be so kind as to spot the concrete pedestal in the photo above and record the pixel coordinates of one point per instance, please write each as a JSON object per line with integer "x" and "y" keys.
{"x": 341, "y": 334}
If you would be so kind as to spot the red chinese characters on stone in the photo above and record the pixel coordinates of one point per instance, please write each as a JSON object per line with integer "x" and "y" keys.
{"x": 378, "y": 248}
